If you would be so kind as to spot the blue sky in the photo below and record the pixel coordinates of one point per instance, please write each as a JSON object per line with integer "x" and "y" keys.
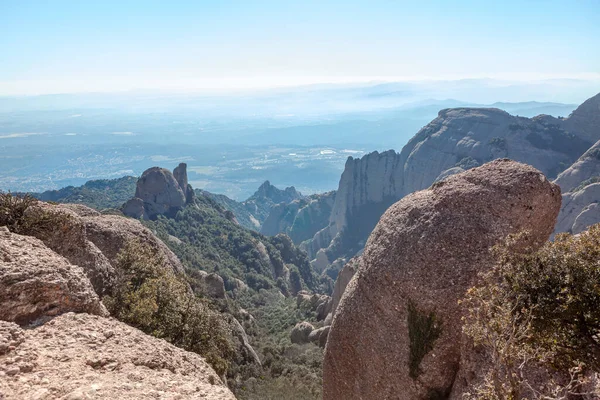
{"x": 65, "y": 46}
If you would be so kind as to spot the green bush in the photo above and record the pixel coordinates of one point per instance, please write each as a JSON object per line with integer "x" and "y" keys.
{"x": 14, "y": 215}
{"x": 539, "y": 308}
{"x": 423, "y": 330}
{"x": 155, "y": 300}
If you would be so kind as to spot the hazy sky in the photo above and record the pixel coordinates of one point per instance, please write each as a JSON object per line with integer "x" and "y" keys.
{"x": 64, "y": 46}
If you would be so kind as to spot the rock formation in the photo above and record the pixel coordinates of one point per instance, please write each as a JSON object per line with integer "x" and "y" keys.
{"x": 580, "y": 184}
{"x": 425, "y": 252}
{"x": 301, "y": 219}
{"x": 80, "y": 356}
{"x": 35, "y": 282}
{"x": 58, "y": 354}
{"x": 457, "y": 140}
{"x": 92, "y": 240}
{"x": 301, "y": 332}
{"x": 160, "y": 192}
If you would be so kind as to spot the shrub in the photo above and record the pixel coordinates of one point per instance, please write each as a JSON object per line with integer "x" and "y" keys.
{"x": 539, "y": 308}
{"x": 14, "y": 215}
{"x": 158, "y": 302}
{"x": 423, "y": 331}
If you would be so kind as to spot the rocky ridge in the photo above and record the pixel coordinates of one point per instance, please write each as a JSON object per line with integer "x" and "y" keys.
{"x": 457, "y": 140}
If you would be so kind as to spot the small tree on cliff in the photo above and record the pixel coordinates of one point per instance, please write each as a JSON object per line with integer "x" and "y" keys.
{"x": 539, "y": 308}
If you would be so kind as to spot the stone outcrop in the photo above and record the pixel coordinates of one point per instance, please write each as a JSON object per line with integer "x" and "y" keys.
{"x": 343, "y": 278}
{"x": 301, "y": 219}
{"x": 93, "y": 241}
{"x": 425, "y": 252}
{"x": 80, "y": 356}
{"x": 160, "y": 192}
{"x": 457, "y": 140}
{"x": 36, "y": 283}
{"x": 301, "y": 332}
{"x": 580, "y": 184}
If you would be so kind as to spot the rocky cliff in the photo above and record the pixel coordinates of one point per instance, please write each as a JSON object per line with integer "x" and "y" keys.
{"x": 425, "y": 252}
{"x": 253, "y": 212}
{"x": 580, "y": 184}
{"x": 457, "y": 140}
{"x": 301, "y": 219}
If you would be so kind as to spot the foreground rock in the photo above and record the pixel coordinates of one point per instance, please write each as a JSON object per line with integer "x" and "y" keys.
{"x": 93, "y": 241}
{"x": 80, "y": 356}
{"x": 35, "y": 282}
{"x": 423, "y": 255}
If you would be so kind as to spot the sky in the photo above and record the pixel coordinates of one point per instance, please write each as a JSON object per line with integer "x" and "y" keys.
{"x": 78, "y": 46}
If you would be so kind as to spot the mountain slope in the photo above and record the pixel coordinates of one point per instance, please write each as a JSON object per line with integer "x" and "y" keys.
{"x": 98, "y": 194}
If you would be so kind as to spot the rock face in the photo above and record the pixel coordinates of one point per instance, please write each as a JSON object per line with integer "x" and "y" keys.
{"x": 457, "y": 140}
{"x": 301, "y": 219}
{"x": 79, "y": 356}
{"x": 301, "y": 332}
{"x": 35, "y": 282}
{"x": 159, "y": 192}
{"x": 580, "y": 184}
{"x": 93, "y": 241}
{"x": 423, "y": 255}
{"x": 342, "y": 281}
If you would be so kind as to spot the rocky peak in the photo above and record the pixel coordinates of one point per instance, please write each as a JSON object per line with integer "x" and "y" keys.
{"x": 160, "y": 192}
{"x": 585, "y": 120}
{"x": 275, "y": 195}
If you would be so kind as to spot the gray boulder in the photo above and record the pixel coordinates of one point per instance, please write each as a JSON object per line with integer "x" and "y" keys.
{"x": 301, "y": 332}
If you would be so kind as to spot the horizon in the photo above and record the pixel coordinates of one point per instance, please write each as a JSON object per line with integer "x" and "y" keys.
{"x": 81, "y": 47}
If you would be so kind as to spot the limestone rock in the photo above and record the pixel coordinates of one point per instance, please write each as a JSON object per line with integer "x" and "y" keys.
{"x": 457, "y": 140}
{"x": 427, "y": 251}
{"x": 134, "y": 208}
{"x": 319, "y": 336}
{"x": 215, "y": 286}
{"x": 579, "y": 210}
{"x": 35, "y": 282}
{"x": 587, "y": 167}
{"x": 84, "y": 356}
{"x": 343, "y": 278}
{"x": 300, "y": 332}
{"x": 581, "y": 193}
{"x": 301, "y": 219}
{"x": 93, "y": 241}
{"x": 67, "y": 236}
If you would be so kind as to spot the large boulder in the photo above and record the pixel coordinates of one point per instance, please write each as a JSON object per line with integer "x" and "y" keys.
{"x": 35, "y": 282}
{"x": 159, "y": 192}
{"x": 425, "y": 252}
{"x": 81, "y": 356}
{"x": 301, "y": 332}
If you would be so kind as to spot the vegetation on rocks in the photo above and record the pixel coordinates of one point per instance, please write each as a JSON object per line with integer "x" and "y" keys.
{"x": 156, "y": 301}
{"x": 423, "y": 330}
{"x": 13, "y": 215}
{"x": 539, "y": 309}
{"x": 99, "y": 194}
